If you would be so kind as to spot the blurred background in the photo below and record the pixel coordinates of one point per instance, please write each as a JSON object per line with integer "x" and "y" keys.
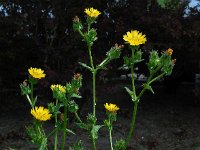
{"x": 38, "y": 33}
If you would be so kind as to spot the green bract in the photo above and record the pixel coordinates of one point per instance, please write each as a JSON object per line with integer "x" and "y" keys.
{"x": 90, "y": 37}
{"x": 154, "y": 60}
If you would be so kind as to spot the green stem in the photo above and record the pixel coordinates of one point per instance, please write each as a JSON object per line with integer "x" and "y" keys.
{"x": 81, "y": 33}
{"x": 91, "y": 59}
{"x": 132, "y": 123}
{"x": 94, "y": 143}
{"x": 135, "y": 99}
{"x": 64, "y": 128}
{"x": 56, "y": 132}
{"x": 111, "y": 145}
{"x": 94, "y": 71}
{"x": 110, "y": 134}
{"x": 32, "y": 94}
{"x": 94, "y": 93}
{"x": 156, "y": 78}
{"x": 93, "y": 81}
{"x": 132, "y": 74}
{"x": 149, "y": 81}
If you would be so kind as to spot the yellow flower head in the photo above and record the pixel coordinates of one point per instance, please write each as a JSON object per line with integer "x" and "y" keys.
{"x": 59, "y": 87}
{"x": 169, "y": 51}
{"x": 134, "y": 38}
{"x": 36, "y": 73}
{"x": 91, "y": 12}
{"x": 41, "y": 113}
{"x": 111, "y": 107}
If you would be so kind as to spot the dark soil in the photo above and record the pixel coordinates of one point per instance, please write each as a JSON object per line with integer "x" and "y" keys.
{"x": 168, "y": 120}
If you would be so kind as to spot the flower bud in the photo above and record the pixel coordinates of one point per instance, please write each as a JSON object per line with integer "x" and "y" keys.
{"x": 169, "y": 51}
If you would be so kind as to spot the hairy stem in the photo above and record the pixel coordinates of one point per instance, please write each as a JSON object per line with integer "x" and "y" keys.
{"x": 135, "y": 99}
{"x": 64, "y": 128}
{"x": 110, "y": 134}
{"x": 56, "y": 132}
{"x": 94, "y": 143}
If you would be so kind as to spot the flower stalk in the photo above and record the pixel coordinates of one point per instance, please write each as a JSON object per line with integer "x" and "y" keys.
{"x": 56, "y": 132}
{"x": 64, "y": 128}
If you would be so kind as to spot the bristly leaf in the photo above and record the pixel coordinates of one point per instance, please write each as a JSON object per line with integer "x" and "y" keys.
{"x": 76, "y": 96}
{"x": 94, "y": 131}
{"x": 82, "y": 126}
{"x": 130, "y": 93}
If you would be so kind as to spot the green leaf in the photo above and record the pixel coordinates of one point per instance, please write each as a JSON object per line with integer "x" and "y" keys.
{"x": 70, "y": 131}
{"x": 85, "y": 66}
{"x": 74, "y": 95}
{"x": 82, "y": 125}
{"x": 148, "y": 87}
{"x": 94, "y": 131}
{"x": 130, "y": 93}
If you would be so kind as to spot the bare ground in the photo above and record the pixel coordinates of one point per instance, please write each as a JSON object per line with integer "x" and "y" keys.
{"x": 165, "y": 121}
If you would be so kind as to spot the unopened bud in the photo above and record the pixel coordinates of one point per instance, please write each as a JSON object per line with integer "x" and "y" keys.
{"x": 62, "y": 116}
{"x": 119, "y": 46}
{"x": 25, "y": 82}
{"x": 174, "y": 61}
{"x": 77, "y": 76}
{"x": 169, "y": 51}
{"x": 76, "y": 19}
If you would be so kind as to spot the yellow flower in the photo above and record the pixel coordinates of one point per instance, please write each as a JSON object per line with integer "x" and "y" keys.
{"x": 134, "y": 38}
{"x": 59, "y": 87}
{"x": 36, "y": 73}
{"x": 169, "y": 51}
{"x": 111, "y": 107}
{"x": 91, "y": 12}
{"x": 41, "y": 113}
